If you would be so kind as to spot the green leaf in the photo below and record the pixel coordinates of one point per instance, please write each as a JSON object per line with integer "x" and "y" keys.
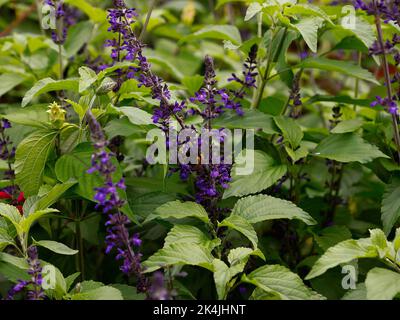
{"x": 222, "y": 276}
{"x": 87, "y": 78}
{"x": 308, "y": 28}
{"x": 69, "y": 281}
{"x": 378, "y": 239}
{"x": 5, "y": 240}
{"x": 47, "y": 85}
{"x": 11, "y": 214}
{"x": 253, "y": 9}
{"x": 136, "y": 115}
{"x": 13, "y": 268}
{"x": 347, "y": 147}
{"x": 263, "y": 207}
{"x": 307, "y": 9}
{"x": 102, "y": 293}
{"x": 29, "y": 220}
{"x": 265, "y": 173}
{"x": 382, "y": 284}
{"x": 338, "y": 99}
{"x": 359, "y": 293}
{"x": 219, "y": 32}
{"x": 95, "y": 14}
{"x": 252, "y": 119}
{"x": 332, "y": 235}
{"x": 364, "y": 31}
{"x": 241, "y": 225}
{"x": 348, "y": 126}
{"x": 340, "y": 66}
{"x": 291, "y": 131}
{"x": 56, "y": 247}
{"x": 391, "y": 205}
{"x": 53, "y": 195}
{"x": 129, "y": 292}
{"x": 9, "y": 81}
{"x": 343, "y": 252}
{"x": 193, "y": 83}
{"x": 180, "y": 254}
{"x": 180, "y": 210}
{"x": 281, "y": 281}
{"x": 30, "y": 160}
{"x": 78, "y": 35}
{"x": 190, "y": 234}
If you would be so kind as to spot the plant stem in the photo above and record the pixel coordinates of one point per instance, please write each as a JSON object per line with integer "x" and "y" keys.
{"x": 357, "y": 84}
{"x": 388, "y": 82}
{"x": 265, "y": 77}
{"x": 146, "y": 23}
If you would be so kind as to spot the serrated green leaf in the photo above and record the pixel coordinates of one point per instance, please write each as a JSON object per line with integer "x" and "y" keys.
{"x": 263, "y": 207}
{"x": 343, "y": 252}
{"x": 136, "y": 115}
{"x": 179, "y": 210}
{"x": 281, "y": 281}
{"x": 190, "y": 234}
{"x": 347, "y": 147}
{"x": 343, "y": 67}
{"x": 47, "y": 85}
{"x": 53, "y": 195}
{"x": 332, "y": 235}
{"x": 308, "y": 28}
{"x": 391, "y": 205}
{"x": 252, "y": 119}
{"x": 382, "y": 284}
{"x": 241, "y": 225}
{"x": 87, "y": 78}
{"x": 348, "y": 126}
{"x": 56, "y": 247}
{"x": 30, "y": 160}
{"x": 265, "y": 173}
{"x": 180, "y": 254}
{"x": 9, "y": 81}
{"x": 291, "y": 131}
{"x": 219, "y": 32}
{"x": 102, "y": 293}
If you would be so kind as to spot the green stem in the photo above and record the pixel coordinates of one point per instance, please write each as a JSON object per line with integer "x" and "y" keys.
{"x": 388, "y": 82}
{"x": 357, "y": 84}
{"x": 264, "y": 79}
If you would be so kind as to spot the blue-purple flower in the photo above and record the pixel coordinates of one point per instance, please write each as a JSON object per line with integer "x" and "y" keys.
{"x": 34, "y": 285}
{"x": 108, "y": 199}
{"x": 66, "y": 16}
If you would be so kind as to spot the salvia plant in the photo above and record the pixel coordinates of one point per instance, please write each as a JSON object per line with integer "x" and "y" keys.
{"x": 196, "y": 149}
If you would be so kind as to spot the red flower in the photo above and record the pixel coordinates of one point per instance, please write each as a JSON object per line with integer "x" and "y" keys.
{"x": 5, "y": 195}
{"x": 17, "y": 203}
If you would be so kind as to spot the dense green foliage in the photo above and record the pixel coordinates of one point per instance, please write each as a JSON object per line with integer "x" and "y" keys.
{"x": 317, "y": 218}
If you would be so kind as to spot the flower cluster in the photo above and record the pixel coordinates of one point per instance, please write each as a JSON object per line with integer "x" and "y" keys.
{"x": 109, "y": 200}
{"x": 216, "y": 101}
{"x": 128, "y": 47}
{"x": 388, "y": 10}
{"x": 65, "y": 18}
{"x": 158, "y": 290}
{"x": 384, "y": 49}
{"x": 34, "y": 285}
{"x": 249, "y": 73}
